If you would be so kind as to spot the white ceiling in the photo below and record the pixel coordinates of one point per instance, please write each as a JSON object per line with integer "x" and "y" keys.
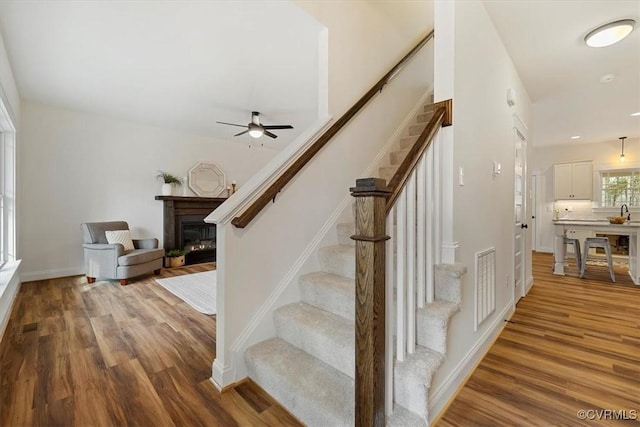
{"x": 187, "y": 64}
{"x": 177, "y": 64}
{"x": 545, "y": 40}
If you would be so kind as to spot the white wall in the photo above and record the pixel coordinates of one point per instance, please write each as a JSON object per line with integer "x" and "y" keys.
{"x": 78, "y": 167}
{"x": 365, "y": 41}
{"x": 603, "y": 155}
{"x": 8, "y": 88}
{"x": 483, "y": 208}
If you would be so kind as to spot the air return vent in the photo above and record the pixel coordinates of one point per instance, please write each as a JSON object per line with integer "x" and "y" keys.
{"x": 485, "y": 285}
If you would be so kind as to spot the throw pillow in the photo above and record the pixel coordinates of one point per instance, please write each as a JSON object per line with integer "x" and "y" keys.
{"x": 120, "y": 236}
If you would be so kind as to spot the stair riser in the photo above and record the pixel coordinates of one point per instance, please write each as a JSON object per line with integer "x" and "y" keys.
{"x": 396, "y": 157}
{"x": 328, "y": 300}
{"x": 387, "y": 173}
{"x": 411, "y": 393}
{"x": 448, "y": 283}
{"x": 337, "y": 351}
{"x": 424, "y": 118}
{"x": 407, "y": 142}
{"x": 415, "y": 130}
{"x": 345, "y": 231}
{"x": 338, "y": 263}
{"x": 432, "y": 333}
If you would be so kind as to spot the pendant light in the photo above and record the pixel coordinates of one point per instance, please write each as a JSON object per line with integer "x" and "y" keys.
{"x": 622, "y": 138}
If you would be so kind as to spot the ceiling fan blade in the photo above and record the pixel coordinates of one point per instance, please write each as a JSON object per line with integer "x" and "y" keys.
{"x": 277, "y": 126}
{"x": 241, "y": 133}
{"x": 232, "y": 124}
{"x": 272, "y": 135}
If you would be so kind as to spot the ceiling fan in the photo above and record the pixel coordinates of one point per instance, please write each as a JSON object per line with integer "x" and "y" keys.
{"x": 256, "y": 129}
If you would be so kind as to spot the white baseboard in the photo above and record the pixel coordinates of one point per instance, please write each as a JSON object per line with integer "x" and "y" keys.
{"x": 222, "y": 376}
{"x": 449, "y": 387}
{"x": 52, "y": 274}
{"x": 9, "y": 287}
{"x": 545, "y": 249}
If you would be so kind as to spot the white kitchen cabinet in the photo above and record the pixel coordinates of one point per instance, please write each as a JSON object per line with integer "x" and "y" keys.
{"x": 573, "y": 181}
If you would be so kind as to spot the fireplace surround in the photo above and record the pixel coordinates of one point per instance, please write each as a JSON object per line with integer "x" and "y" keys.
{"x": 184, "y": 226}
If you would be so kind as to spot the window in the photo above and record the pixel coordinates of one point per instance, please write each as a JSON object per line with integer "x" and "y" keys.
{"x": 7, "y": 186}
{"x": 620, "y": 187}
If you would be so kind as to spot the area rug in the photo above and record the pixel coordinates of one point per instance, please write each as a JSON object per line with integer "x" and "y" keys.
{"x": 197, "y": 289}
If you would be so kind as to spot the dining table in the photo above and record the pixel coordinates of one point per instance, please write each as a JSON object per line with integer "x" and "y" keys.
{"x": 628, "y": 228}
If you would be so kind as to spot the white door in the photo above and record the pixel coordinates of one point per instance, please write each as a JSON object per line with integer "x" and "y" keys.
{"x": 519, "y": 212}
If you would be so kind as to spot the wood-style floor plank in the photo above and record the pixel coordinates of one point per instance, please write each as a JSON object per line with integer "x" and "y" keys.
{"x": 101, "y": 354}
{"x": 574, "y": 344}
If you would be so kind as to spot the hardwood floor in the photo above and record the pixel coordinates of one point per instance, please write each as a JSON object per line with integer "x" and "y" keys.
{"x": 76, "y": 354}
{"x": 101, "y": 354}
{"x": 574, "y": 345}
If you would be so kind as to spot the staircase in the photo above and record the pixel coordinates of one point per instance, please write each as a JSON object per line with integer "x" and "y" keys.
{"x": 309, "y": 366}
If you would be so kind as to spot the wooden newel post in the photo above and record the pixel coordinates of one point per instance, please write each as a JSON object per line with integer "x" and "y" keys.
{"x": 371, "y": 200}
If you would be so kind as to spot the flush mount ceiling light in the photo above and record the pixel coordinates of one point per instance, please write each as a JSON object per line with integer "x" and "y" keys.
{"x": 611, "y": 33}
{"x": 635, "y": 114}
{"x": 622, "y": 138}
{"x": 575, "y": 137}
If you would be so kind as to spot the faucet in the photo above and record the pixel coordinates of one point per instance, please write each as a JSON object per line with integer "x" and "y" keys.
{"x": 622, "y": 210}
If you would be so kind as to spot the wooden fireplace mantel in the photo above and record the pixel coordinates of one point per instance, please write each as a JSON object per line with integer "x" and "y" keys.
{"x": 176, "y": 206}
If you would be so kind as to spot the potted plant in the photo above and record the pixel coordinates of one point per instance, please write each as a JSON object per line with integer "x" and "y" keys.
{"x": 168, "y": 182}
{"x": 174, "y": 258}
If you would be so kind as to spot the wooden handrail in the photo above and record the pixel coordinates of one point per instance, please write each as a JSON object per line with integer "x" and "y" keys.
{"x": 442, "y": 116}
{"x": 270, "y": 193}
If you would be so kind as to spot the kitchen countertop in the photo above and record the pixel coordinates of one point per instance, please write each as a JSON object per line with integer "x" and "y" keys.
{"x": 592, "y": 221}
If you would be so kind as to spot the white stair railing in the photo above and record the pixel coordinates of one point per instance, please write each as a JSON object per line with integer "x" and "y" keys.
{"x": 398, "y": 244}
{"x": 412, "y": 252}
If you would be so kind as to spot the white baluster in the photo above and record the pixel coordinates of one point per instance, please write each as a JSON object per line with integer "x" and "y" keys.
{"x": 389, "y": 282}
{"x": 429, "y": 250}
{"x": 421, "y": 218}
{"x": 437, "y": 217}
{"x": 411, "y": 263}
{"x": 401, "y": 233}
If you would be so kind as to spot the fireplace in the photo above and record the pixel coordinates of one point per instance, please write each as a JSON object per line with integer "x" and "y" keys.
{"x": 197, "y": 238}
{"x": 184, "y": 227}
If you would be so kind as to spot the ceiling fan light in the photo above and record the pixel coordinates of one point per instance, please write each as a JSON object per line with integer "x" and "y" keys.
{"x": 255, "y": 133}
{"x": 610, "y": 33}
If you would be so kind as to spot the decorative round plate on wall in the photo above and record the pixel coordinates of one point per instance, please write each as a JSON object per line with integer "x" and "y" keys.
{"x": 206, "y": 180}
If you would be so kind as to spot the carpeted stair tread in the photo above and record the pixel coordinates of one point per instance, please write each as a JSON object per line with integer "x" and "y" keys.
{"x": 325, "y": 336}
{"x": 313, "y": 391}
{"x": 402, "y": 417}
{"x": 345, "y": 231}
{"x": 329, "y": 292}
{"x": 433, "y": 323}
{"x": 412, "y": 378}
{"x": 338, "y": 259}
